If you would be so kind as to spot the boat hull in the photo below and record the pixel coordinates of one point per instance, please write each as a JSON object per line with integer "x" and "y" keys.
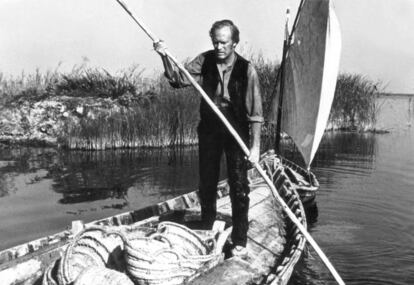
{"x": 25, "y": 264}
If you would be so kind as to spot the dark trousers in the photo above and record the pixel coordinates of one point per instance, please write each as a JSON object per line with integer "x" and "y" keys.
{"x": 214, "y": 139}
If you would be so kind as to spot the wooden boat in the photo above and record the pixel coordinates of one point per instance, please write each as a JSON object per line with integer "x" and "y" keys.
{"x": 305, "y": 182}
{"x": 274, "y": 243}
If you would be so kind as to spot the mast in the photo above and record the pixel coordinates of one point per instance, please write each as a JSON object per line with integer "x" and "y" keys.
{"x": 282, "y": 83}
{"x": 281, "y": 73}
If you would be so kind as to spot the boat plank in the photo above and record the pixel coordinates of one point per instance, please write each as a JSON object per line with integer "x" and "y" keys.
{"x": 256, "y": 196}
{"x": 30, "y": 267}
{"x": 265, "y": 243}
{"x": 232, "y": 271}
{"x": 21, "y": 272}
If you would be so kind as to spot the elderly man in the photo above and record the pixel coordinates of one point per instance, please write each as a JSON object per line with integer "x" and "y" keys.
{"x": 232, "y": 84}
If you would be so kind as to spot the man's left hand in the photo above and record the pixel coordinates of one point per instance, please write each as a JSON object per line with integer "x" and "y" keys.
{"x": 254, "y": 155}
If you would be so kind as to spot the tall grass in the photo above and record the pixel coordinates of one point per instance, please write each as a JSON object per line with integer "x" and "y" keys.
{"x": 154, "y": 115}
{"x": 267, "y": 72}
{"x": 355, "y": 104}
{"x": 168, "y": 118}
{"x": 25, "y": 86}
{"x": 83, "y": 81}
{"x": 148, "y": 112}
{"x": 144, "y": 112}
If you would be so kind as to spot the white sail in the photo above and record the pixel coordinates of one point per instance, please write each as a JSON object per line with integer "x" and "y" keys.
{"x": 310, "y": 76}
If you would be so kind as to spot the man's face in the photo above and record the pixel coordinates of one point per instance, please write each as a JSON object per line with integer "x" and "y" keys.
{"x": 223, "y": 43}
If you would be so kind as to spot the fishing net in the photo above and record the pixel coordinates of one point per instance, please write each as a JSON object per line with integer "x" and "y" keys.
{"x": 172, "y": 255}
{"x": 102, "y": 276}
{"x": 168, "y": 253}
{"x": 93, "y": 247}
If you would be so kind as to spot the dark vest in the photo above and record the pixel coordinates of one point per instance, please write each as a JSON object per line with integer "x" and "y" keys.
{"x": 237, "y": 86}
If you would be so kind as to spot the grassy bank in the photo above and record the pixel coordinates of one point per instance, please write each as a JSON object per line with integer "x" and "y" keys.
{"x": 135, "y": 111}
{"x": 132, "y": 111}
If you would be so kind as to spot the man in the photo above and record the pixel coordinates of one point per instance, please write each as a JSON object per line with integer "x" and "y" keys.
{"x": 232, "y": 83}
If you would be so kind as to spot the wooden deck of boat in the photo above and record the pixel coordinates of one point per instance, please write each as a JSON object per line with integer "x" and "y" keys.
{"x": 265, "y": 243}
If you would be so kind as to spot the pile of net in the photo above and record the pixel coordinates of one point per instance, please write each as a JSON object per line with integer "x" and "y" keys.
{"x": 167, "y": 254}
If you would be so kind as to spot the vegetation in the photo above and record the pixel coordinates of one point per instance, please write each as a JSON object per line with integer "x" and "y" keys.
{"x": 82, "y": 81}
{"x": 148, "y": 112}
{"x": 355, "y": 106}
{"x": 25, "y": 86}
{"x": 267, "y": 72}
{"x": 162, "y": 117}
{"x": 143, "y": 112}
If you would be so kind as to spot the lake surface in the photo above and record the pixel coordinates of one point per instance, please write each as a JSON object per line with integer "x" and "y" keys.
{"x": 363, "y": 218}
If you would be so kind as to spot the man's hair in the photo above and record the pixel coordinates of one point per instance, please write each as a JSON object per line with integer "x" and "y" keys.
{"x": 235, "y": 34}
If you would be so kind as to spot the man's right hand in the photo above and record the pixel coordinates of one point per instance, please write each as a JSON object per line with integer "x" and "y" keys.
{"x": 160, "y": 47}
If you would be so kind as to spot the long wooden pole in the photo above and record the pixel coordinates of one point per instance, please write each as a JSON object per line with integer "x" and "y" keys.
{"x": 244, "y": 148}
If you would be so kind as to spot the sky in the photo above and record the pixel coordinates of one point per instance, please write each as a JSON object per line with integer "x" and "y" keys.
{"x": 377, "y": 35}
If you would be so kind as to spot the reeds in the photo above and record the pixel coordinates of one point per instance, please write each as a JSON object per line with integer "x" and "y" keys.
{"x": 83, "y": 81}
{"x": 267, "y": 72}
{"x": 148, "y": 112}
{"x": 25, "y": 86}
{"x": 158, "y": 117}
{"x": 355, "y": 105}
{"x": 163, "y": 121}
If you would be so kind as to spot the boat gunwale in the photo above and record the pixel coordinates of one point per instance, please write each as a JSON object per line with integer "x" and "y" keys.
{"x": 297, "y": 240}
{"x": 15, "y": 255}
{"x": 313, "y": 181}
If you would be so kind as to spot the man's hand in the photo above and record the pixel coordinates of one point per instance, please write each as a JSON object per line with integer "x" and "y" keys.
{"x": 160, "y": 47}
{"x": 254, "y": 155}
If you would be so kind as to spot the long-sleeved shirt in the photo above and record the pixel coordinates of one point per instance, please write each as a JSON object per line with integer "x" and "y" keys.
{"x": 253, "y": 99}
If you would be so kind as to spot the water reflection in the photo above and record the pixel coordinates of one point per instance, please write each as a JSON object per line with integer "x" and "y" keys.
{"x": 6, "y": 185}
{"x": 18, "y": 161}
{"x": 91, "y": 176}
{"x": 80, "y": 176}
{"x": 312, "y": 212}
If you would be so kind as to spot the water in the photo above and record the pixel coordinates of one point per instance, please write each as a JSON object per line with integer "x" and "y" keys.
{"x": 43, "y": 190}
{"x": 363, "y": 220}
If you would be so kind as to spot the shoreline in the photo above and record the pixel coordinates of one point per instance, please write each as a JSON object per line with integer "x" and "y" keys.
{"x": 93, "y": 110}
{"x": 12, "y": 142}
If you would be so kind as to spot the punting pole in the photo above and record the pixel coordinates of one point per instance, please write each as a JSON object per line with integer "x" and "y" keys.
{"x": 243, "y": 147}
